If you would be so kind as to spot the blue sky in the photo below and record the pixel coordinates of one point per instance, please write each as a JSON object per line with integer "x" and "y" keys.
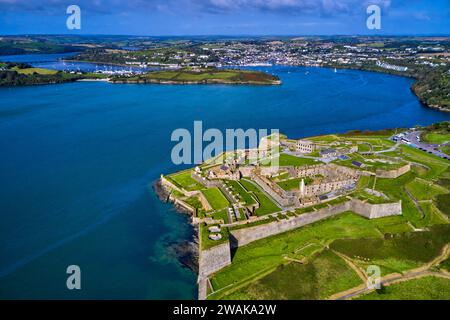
{"x": 225, "y": 17}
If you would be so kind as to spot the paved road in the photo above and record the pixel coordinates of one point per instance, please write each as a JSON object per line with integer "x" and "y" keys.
{"x": 413, "y": 137}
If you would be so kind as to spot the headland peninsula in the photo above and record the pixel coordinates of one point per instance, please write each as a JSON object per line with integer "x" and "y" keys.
{"x": 310, "y": 227}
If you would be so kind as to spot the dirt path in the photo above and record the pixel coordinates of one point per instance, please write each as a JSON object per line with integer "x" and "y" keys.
{"x": 352, "y": 265}
{"x": 423, "y": 271}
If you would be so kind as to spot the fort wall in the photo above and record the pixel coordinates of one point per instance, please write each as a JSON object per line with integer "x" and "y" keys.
{"x": 393, "y": 174}
{"x": 214, "y": 259}
{"x": 374, "y": 211}
{"x": 245, "y": 236}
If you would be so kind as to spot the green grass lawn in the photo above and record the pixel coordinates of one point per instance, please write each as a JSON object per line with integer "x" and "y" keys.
{"x": 289, "y": 160}
{"x": 29, "y": 71}
{"x": 207, "y": 243}
{"x": 184, "y": 180}
{"x": 216, "y": 198}
{"x": 189, "y": 75}
{"x": 325, "y": 275}
{"x": 267, "y": 206}
{"x": 437, "y": 165}
{"x": 245, "y": 196}
{"x": 432, "y": 215}
{"x": 437, "y": 138}
{"x": 443, "y": 203}
{"x": 372, "y": 199}
{"x": 424, "y": 190}
{"x": 395, "y": 224}
{"x": 427, "y": 288}
{"x": 291, "y": 184}
{"x": 363, "y": 183}
{"x": 267, "y": 254}
{"x": 445, "y": 149}
{"x": 445, "y": 264}
{"x": 393, "y": 188}
{"x": 399, "y": 252}
{"x": 221, "y": 215}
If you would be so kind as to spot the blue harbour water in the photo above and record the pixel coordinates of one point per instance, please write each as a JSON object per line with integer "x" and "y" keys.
{"x": 78, "y": 161}
{"x": 59, "y": 61}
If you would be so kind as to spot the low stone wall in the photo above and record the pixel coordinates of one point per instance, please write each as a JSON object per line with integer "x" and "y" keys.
{"x": 393, "y": 174}
{"x": 214, "y": 259}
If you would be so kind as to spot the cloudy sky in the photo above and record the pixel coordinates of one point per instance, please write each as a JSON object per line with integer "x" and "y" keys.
{"x": 225, "y": 17}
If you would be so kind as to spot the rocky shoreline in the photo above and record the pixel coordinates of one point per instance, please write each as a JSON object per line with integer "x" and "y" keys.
{"x": 185, "y": 251}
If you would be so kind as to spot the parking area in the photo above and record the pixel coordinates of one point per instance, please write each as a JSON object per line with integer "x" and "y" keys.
{"x": 412, "y": 138}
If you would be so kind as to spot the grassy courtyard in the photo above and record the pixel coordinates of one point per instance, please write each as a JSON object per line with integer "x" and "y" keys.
{"x": 184, "y": 180}
{"x": 216, "y": 198}
{"x": 267, "y": 206}
{"x": 285, "y": 160}
{"x": 243, "y": 194}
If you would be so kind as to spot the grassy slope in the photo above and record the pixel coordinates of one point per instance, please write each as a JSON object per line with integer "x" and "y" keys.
{"x": 324, "y": 275}
{"x": 36, "y": 70}
{"x": 267, "y": 254}
{"x": 213, "y": 75}
{"x": 427, "y": 288}
{"x": 398, "y": 253}
{"x": 437, "y": 138}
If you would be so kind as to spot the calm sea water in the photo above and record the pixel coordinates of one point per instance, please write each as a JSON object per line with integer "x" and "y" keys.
{"x": 77, "y": 160}
{"x": 56, "y": 62}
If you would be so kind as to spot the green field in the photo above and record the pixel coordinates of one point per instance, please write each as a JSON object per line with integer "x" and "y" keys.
{"x": 267, "y": 206}
{"x": 289, "y": 160}
{"x": 445, "y": 264}
{"x": 305, "y": 263}
{"x": 437, "y": 138}
{"x": 399, "y": 252}
{"x": 199, "y": 76}
{"x": 221, "y": 215}
{"x": 36, "y": 70}
{"x": 325, "y": 275}
{"x": 372, "y": 199}
{"x": 184, "y": 180}
{"x": 267, "y": 254}
{"x": 427, "y": 288}
{"x": 424, "y": 190}
{"x": 244, "y": 195}
{"x": 395, "y": 224}
{"x": 291, "y": 184}
{"x": 443, "y": 203}
{"x": 207, "y": 243}
{"x": 216, "y": 198}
